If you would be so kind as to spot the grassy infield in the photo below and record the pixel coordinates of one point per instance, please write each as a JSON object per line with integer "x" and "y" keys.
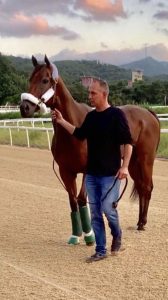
{"x": 38, "y": 139}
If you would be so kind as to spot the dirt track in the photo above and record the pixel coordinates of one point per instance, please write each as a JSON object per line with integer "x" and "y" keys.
{"x": 37, "y": 263}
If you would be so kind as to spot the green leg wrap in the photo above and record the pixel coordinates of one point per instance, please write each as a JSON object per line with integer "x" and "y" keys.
{"x": 86, "y": 225}
{"x": 76, "y": 228}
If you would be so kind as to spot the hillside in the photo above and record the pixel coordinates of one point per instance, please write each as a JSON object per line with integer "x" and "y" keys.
{"x": 149, "y": 66}
{"x": 76, "y": 69}
{"x": 72, "y": 70}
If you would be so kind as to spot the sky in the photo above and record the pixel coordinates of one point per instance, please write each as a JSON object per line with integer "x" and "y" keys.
{"x": 110, "y": 31}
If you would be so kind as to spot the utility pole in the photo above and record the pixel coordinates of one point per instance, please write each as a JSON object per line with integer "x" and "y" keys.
{"x": 165, "y": 98}
{"x": 146, "y": 45}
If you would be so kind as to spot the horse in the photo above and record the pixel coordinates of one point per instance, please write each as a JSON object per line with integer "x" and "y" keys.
{"x": 47, "y": 87}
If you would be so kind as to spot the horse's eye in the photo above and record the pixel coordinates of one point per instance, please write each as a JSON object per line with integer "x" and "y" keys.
{"x": 45, "y": 81}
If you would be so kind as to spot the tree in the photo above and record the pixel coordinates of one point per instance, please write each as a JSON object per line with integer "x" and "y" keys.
{"x": 11, "y": 84}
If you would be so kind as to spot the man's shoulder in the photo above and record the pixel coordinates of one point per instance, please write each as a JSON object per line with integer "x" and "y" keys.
{"x": 115, "y": 110}
{"x": 91, "y": 113}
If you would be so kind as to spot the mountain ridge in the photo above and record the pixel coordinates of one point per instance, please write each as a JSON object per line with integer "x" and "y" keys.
{"x": 149, "y": 66}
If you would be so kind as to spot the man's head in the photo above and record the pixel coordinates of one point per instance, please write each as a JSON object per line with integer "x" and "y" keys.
{"x": 98, "y": 93}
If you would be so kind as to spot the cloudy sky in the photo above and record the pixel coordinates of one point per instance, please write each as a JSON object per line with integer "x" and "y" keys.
{"x": 112, "y": 31}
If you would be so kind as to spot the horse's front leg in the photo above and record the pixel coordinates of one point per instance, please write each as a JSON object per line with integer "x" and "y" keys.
{"x": 69, "y": 180}
{"x": 85, "y": 215}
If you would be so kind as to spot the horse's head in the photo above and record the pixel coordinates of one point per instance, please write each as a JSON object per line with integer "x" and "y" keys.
{"x": 42, "y": 88}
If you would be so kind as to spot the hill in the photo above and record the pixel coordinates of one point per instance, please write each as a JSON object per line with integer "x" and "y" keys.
{"x": 72, "y": 70}
{"x": 149, "y": 66}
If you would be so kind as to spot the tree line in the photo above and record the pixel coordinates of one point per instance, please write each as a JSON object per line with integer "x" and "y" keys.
{"x": 14, "y": 76}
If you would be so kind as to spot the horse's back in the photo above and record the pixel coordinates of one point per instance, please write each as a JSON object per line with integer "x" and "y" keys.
{"x": 144, "y": 126}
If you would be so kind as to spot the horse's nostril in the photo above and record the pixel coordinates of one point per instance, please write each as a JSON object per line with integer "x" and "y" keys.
{"x": 26, "y": 108}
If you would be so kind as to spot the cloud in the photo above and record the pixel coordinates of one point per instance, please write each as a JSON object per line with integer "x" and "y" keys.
{"x": 20, "y": 25}
{"x": 161, "y": 4}
{"x": 161, "y": 15}
{"x": 103, "y": 10}
{"x": 164, "y": 31}
{"x": 27, "y": 18}
{"x": 115, "y": 57}
{"x": 32, "y": 7}
{"x": 103, "y": 45}
{"x": 144, "y": 1}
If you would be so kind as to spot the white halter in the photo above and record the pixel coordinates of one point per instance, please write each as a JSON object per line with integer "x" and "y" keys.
{"x": 45, "y": 97}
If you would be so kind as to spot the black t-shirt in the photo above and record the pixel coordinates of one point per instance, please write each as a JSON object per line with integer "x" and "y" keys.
{"x": 105, "y": 131}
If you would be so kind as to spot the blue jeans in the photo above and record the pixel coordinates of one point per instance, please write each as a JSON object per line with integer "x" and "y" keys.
{"x": 97, "y": 187}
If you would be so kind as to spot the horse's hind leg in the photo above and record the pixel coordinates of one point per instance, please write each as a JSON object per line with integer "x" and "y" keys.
{"x": 143, "y": 210}
{"x": 145, "y": 189}
{"x": 69, "y": 180}
{"x": 141, "y": 173}
{"x": 85, "y": 215}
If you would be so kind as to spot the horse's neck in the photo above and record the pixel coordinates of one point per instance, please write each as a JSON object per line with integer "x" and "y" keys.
{"x": 65, "y": 103}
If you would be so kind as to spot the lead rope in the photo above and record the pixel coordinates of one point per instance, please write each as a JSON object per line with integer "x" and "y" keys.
{"x": 114, "y": 204}
{"x": 58, "y": 176}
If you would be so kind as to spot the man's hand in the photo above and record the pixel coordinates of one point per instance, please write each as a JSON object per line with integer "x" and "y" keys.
{"x": 56, "y": 115}
{"x": 122, "y": 173}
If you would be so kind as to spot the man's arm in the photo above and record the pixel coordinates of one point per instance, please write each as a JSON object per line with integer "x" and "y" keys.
{"x": 57, "y": 116}
{"x": 127, "y": 155}
{"x": 123, "y": 171}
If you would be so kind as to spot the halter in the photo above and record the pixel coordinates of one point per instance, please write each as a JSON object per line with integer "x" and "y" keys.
{"x": 46, "y": 96}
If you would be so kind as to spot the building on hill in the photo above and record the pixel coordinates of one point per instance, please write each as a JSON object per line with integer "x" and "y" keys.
{"x": 137, "y": 75}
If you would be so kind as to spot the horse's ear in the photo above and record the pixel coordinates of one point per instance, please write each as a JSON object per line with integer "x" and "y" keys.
{"x": 47, "y": 60}
{"x": 34, "y": 61}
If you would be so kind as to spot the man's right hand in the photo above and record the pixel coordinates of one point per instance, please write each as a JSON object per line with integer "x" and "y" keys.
{"x": 56, "y": 115}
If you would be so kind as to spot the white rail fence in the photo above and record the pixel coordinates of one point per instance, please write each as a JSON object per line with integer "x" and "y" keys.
{"x": 10, "y": 108}
{"x": 32, "y": 127}
{"x": 20, "y": 122}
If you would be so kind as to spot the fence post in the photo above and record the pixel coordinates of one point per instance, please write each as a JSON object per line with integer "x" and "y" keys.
{"x": 48, "y": 137}
{"x": 27, "y": 135}
{"x": 10, "y": 134}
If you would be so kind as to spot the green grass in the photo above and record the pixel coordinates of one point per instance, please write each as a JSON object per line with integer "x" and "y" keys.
{"x": 163, "y": 146}
{"x": 164, "y": 124}
{"x": 38, "y": 139}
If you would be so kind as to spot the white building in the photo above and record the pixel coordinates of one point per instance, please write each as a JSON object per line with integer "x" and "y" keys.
{"x": 137, "y": 75}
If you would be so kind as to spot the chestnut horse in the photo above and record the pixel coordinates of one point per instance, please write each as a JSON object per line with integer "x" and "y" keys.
{"x": 46, "y": 86}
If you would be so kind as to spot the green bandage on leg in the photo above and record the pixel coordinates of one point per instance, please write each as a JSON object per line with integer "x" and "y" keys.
{"x": 85, "y": 219}
{"x": 86, "y": 225}
{"x": 76, "y": 228}
{"x": 76, "y": 223}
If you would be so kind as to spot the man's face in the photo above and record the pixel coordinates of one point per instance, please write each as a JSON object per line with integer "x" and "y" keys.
{"x": 96, "y": 94}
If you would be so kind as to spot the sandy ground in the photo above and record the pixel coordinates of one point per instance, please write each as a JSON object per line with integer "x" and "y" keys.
{"x": 37, "y": 263}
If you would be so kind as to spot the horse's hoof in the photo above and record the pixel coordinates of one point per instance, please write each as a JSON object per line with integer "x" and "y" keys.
{"x": 73, "y": 240}
{"x": 90, "y": 244}
{"x": 89, "y": 238}
{"x": 141, "y": 228}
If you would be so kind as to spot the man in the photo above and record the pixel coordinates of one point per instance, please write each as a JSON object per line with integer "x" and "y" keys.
{"x": 105, "y": 129}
